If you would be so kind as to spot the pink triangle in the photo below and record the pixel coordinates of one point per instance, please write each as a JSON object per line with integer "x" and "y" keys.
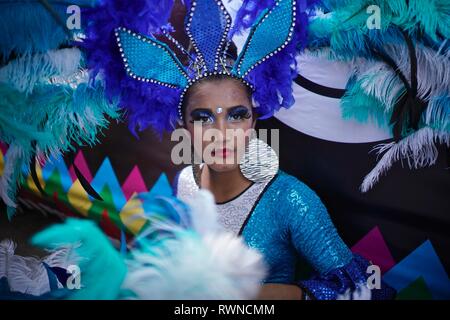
{"x": 81, "y": 164}
{"x": 133, "y": 183}
{"x": 373, "y": 247}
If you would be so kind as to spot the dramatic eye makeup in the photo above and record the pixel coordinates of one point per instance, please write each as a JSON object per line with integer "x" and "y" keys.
{"x": 239, "y": 113}
{"x": 207, "y": 116}
{"x": 202, "y": 115}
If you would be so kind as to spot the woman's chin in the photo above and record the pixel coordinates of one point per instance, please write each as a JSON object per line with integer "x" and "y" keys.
{"x": 222, "y": 167}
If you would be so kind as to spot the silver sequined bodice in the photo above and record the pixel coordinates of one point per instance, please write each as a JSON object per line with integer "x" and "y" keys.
{"x": 233, "y": 213}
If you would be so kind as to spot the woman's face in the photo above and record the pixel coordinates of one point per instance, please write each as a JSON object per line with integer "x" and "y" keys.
{"x": 223, "y": 111}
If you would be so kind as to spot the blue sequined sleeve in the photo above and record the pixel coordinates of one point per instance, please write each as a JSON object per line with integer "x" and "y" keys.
{"x": 314, "y": 236}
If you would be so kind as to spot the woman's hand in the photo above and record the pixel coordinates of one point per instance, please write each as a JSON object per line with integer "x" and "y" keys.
{"x": 278, "y": 291}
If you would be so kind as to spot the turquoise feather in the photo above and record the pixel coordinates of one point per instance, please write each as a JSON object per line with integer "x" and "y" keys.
{"x": 102, "y": 267}
{"x": 57, "y": 117}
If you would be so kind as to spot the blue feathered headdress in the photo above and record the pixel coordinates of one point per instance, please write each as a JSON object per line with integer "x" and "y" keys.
{"x": 151, "y": 80}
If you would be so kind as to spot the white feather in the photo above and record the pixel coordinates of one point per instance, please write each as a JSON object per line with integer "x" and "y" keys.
{"x": 7, "y": 249}
{"x": 218, "y": 266}
{"x": 198, "y": 263}
{"x": 377, "y": 79}
{"x": 433, "y": 69}
{"x": 418, "y": 149}
{"x": 13, "y": 156}
{"x": 63, "y": 257}
{"x": 24, "y": 274}
{"x": 203, "y": 212}
{"x": 25, "y": 72}
{"x": 28, "y": 274}
{"x": 437, "y": 113}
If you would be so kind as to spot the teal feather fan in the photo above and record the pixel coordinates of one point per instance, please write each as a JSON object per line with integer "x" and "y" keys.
{"x": 401, "y": 73}
{"x": 47, "y": 104}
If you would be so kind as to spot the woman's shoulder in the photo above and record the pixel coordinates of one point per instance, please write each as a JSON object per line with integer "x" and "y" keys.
{"x": 296, "y": 191}
{"x": 292, "y": 183}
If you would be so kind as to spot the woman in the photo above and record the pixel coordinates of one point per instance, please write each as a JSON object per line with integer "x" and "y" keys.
{"x": 277, "y": 215}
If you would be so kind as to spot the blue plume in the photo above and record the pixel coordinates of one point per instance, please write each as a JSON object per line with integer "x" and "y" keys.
{"x": 208, "y": 24}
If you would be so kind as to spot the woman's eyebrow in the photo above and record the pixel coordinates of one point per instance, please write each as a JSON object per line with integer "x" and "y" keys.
{"x": 233, "y": 108}
{"x": 201, "y": 110}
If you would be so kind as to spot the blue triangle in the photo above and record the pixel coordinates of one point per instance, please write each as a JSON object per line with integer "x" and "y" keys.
{"x": 161, "y": 187}
{"x": 106, "y": 176}
{"x": 422, "y": 262}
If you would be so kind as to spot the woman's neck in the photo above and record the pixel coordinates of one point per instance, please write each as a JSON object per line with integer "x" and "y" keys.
{"x": 224, "y": 185}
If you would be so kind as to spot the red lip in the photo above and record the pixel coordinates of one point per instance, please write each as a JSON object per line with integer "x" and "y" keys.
{"x": 224, "y": 152}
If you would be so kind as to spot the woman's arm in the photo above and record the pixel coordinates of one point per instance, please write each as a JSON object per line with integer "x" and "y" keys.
{"x": 315, "y": 237}
{"x": 278, "y": 291}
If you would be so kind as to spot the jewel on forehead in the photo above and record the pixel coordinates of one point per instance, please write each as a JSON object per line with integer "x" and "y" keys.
{"x": 219, "y": 110}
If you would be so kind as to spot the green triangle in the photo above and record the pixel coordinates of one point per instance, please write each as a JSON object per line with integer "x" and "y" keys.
{"x": 54, "y": 185}
{"x": 95, "y": 212}
{"x": 417, "y": 290}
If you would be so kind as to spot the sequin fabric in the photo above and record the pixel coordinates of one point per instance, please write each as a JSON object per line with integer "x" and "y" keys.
{"x": 148, "y": 58}
{"x": 351, "y": 278}
{"x": 208, "y": 30}
{"x": 261, "y": 39}
{"x": 290, "y": 219}
{"x": 289, "y": 222}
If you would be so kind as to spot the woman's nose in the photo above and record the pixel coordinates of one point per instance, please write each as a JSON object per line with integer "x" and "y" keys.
{"x": 222, "y": 125}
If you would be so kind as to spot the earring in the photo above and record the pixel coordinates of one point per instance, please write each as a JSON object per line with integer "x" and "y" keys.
{"x": 259, "y": 162}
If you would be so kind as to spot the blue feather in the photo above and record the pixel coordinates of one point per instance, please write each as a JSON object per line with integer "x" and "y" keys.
{"x": 28, "y": 27}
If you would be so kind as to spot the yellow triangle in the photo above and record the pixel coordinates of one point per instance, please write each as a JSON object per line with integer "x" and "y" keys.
{"x": 132, "y": 215}
{"x": 79, "y": 198}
